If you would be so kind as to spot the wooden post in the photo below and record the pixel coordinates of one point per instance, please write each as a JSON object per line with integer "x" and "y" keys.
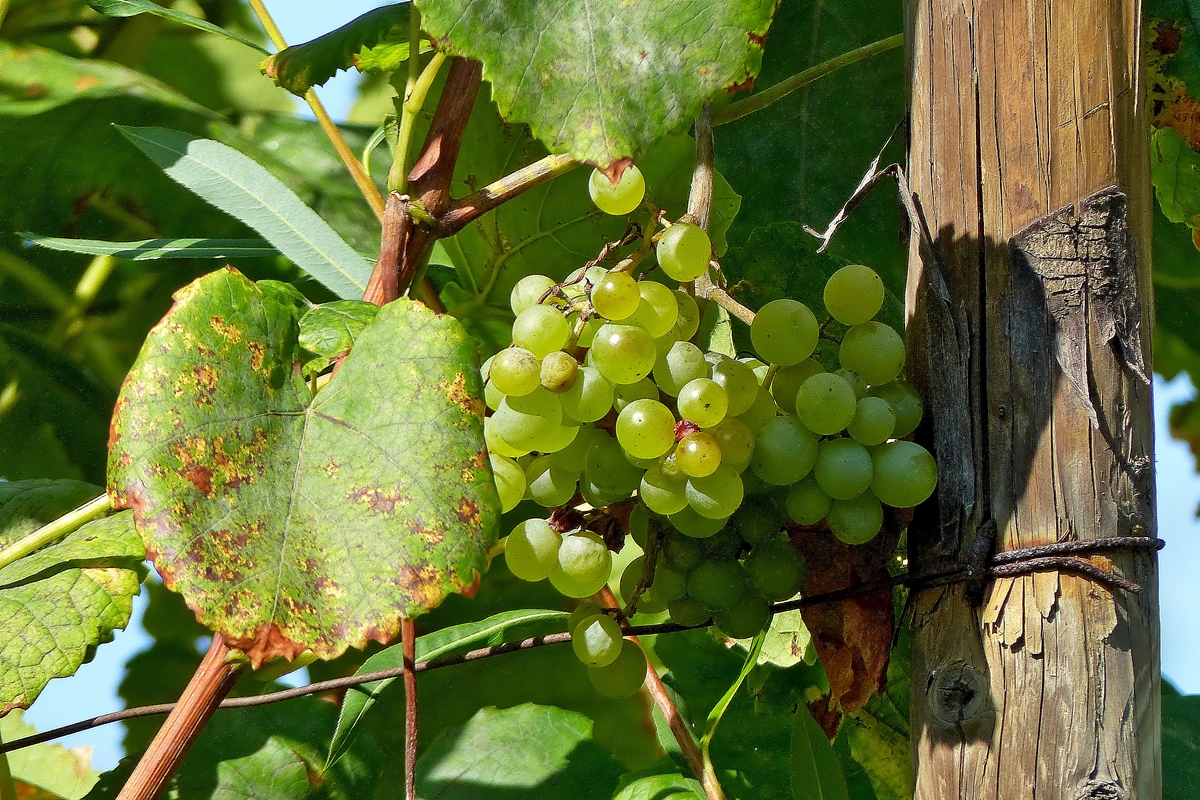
{"x": 1029, "y": 336}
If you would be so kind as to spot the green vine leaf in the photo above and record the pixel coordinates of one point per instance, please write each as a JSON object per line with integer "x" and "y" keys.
{"x": 292, "y": 522}
{"x": 1175, "y": 169}
{"x": 330, "y": 329}
{"x": 49, "y": 768}
{"x": 604, "y": 80}
{"x": 131, "y": 8}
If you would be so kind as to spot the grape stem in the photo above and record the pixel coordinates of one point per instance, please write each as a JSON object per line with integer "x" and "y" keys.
{"x": 465, "y": 211}
{"x": 649, "y": 564}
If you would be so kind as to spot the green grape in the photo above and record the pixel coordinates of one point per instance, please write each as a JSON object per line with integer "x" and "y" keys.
{"x": 683, "y": 553}
{"x": 515, "y": 371}
{"x": 510, "y": 481}
{"x": 582, "y": 611}
{"x": 631, "y": 577}
{"x": 616, "y": 296}
{"x": 596, "y": 497}
{"x": 589, "y": 398}
{"x": 905, "y": 474}
{"x": 689, "y": 523}
{"x": 856, "y": 382}
{"x": 735, "y": 440}
{"x": 550, "y": 486}
{"x": 905, "y": 402}
{"x": 873, "y": 423}
{"x": 558, "y": 371}
{"x": 826, "y": 404}
{"x": 757, "y": 367}
{"x": 492, "y": 396}
{"x": 607, "y": 468}
{"x": 717, "y": 584}
{"x": 668, "y": 584}
{"x": 624, "y": 354}
{"x": 596, "y": 640}
{"x": 628, "y": 393}
{"x": 639, "y": 525}
{"x": 724, "y": 545}
{"x": 757, "y": 521}
{"x": 584, "y": 563}
{"x": 641, "y": 463}
{"x": 663, "y": 493}
{"x": 762, "y": 412}
{"x": 718, "y": 495}
{"x": 522, "y": 421}
{"x": 755, "y": 484}
{"x": 684, "y": 251}
{"x": 541, "y": 330}
{"x": 496, "y": 444}
{"x": 784, "y": 332}
{"x": 737, "y": 379}
{"x": 775, "y": 569}
{"x": 807, "y": 502}
{"x": 874, "y": 351}
{"x": 784, "y": 451}
{"x": 624, "y": 676}
{"x": 703, "y": 401}
{"x": 689, "y": 316}
{"x": 622, "y": 198}
{"x": 697, "y": 455}
{"x": 688, "y": 611}
{"x": 745, "y": 618}
{"x": 683, "y": 362}
{"x": 531, "y": 550}
{"x": 588, "y": 334}
{"x": 592, "y": 276}
{"x": 528, "y": 291}
{"x": 559, "y": 438}
{"x": 646, "y": 428}
{"x": 857, "y": 520}
{"x": 658, "y": 310}
{"x": 788, "y": 380}
{"x": 843, "y": 469}
{"x": 853, "y": 294}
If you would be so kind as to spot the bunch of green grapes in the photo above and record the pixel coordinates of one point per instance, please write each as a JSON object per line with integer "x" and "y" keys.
{"x": 603, "y": 397}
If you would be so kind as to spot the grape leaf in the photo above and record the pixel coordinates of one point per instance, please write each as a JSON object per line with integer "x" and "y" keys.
{"x": 51, "y": 768}
{"x": 604, "y": 80}
{"x": 154, "y": 249}
{"x": 1180, "y": 743}
{"x": 331, "y": 329}
{"x": 291, "y": 522}
{"x": 131, "y": 8}
{"x": 660, "y": 787}
{"x": 816, "y": 773}
{"x": 1175, "y": 169}
{"x": 65, "y": 599}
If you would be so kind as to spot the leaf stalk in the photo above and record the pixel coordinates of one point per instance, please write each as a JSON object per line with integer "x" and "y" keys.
{"x": 51, "y": 532}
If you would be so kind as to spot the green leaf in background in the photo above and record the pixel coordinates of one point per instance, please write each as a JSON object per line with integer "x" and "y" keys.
{"x": 303, "y": 66}
{"x": 1180, "y": 744}
{"x": 154, "y": 249}
{"x": 52, "y": 768}
{"x": 660, "y": 787}
{"x": 788, "y": 642}
{"x": 816, "y": 772}
{"x": 526, "y": 751}
{"x": 360, "y": 699}
{"x": 878, "y": 735}
{"x": 292, "y": 522}
{"x": 245, "y": 190}
{"x": 330, "y": 329}
{"x": 604, "y": 80}
{"x": 131, "y": 8}
{"x": 26, "y": 506}
{"x": 1175, "y": 169}
{"x": 64, "y": 600}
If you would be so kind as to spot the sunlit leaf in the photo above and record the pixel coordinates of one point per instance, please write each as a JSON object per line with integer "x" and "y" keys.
{"x": 153, "y": 249}
{"x": 51, "y": 768}
{"x": 131, "y": 8}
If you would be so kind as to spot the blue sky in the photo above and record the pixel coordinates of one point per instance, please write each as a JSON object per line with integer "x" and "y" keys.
{"x": 92, "y": 690}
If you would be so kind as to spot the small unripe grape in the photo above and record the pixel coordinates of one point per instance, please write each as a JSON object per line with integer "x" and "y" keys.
{"x": 688, "y": 611}
{"x": 531, "y": 550}
{"x": 646, "y": 428}
{"x": 745, "y": 618}
{"x": 905, "y": 402}
{"x": 873, "y": 423}
{"x": 510, "y": 481}
{"x": 784, "y": 332}
{"x": 584, "y": 610}
{"x": 528, "y": 291}
{"x": 826, "y": 403}
{"x": 775, "y": 569}
{"x": 873, "y": 350}
{"x": 717, "y": 584}
{"x": 857, "y": 520}
{"x": 549, "y": 485}
{"x": 697, "y": 455}
{"x": 703, "y": 401}
{"x": 738, "y": 381}
{"x": 689, "y": 523}
{"x": 658, "y": 310}
{"x": 662, "y": 493}
{"x": 558, "y": 371}
{"x": 597, "y": 640}
{"x": 684, "y": 251}
{"x": 853, "y": 294}
{"x": 590, "y": 396}
{"x": 624, "y": 676}
{"x": 856, "y": 382}
{"x": 807, "y": 502}
{"x": 616, "y": 296}
{"x": 784, "y": 451}
{"x": 683, "y": 553}
{"x": 623, "y": 353}
{"x": 515, "y": 371}
{"x": 843, "y": 469}
{"x": 757, "y": 521}
{"x": 689, "y": 316}
{"x": 718, "y": 495}
{"x": 628, "y": 393}
{"x": 905, "y": 474}
{"x": 540, "y": 330}
{"x": 788, "y": 380}
{"x": 621, "y": 199}
{"x": 682, "y": 363}
{"x": 735, "y": 440}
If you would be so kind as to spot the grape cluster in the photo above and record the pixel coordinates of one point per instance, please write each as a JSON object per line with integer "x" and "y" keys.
{"x": 603, "y": 397}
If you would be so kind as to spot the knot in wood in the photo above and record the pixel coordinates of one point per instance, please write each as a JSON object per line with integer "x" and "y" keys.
{"x": 1098, "y": 789}
{"x": 956, "y": 693}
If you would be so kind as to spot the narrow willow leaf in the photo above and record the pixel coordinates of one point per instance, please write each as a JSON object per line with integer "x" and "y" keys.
{"x": 245, "y": 190}
{"x": 131, "y": 8}
{"x": 155, "y": 249}
{"x": 816, "y": 772}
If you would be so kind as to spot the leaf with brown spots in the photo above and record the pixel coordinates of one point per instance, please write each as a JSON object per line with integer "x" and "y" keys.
{"x": 292, "y": 522}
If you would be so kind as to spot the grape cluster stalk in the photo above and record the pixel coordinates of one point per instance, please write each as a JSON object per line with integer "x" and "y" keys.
{"x": 603, "y": 401}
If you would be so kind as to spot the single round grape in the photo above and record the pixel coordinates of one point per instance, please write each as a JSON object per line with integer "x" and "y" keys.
{"x": 607, "y": 468}
{"x": 588, "y": 334}
{"x": 683, "y": 553}
{"x": 745, "y": 618}
{"x": 735, "y": 440}
{"x": 757, "y": 521}
{"x": 658, "y": 310}
{"x": 856, "y": 382}
{"x": 515, "y": 371}
{"x": 616, "y": 296}
{"x": 689, "y": 523}
{"x": 510, "y": 481}
{"x": 807, "y": 502}
{"x": 698, "y": 455}
{"x": 682, "y": 363}
{"x": 631, "y": 577}
{"x": 873, "y": 423}
{"x": 559, "y": 438}
{"x": 826, "y": 404}
{"x": 541, "y": 330}
{"x": 689, "y": 316}
{"x": 905, "y": 474}
{"x": 684, "y": 251}
{"x": 584, "y": 610}
{"x": 521, "y": 421}
{"x": 763, "y": 411}
{"x": 628, "y": 393}
{"x": 528, "y": 291}
{"x": 754, "y": 484}
{"x": 596, "y": 498}
{"x": 646, "y": 428}
{"x": 857, "y": 520}
{"x": 589, "y": 398}
{"x": 619, "y": 199}
{"x": 623, "y": 353}
{"x": 873, "y": 350}
{"x": 581, "y": 279}
{"x": 724, "y": 545}
{"x": 668, "y": 584}
{"x": 596, "y": 640}
{"x": 549, "y": 485}
{"x": 775, "y": 569}
{"x": 843, "y": 469}
{"x": 788, "y": 380}
{"x": 717, "y": 584}
{"x": 639, "y": 525}
{"x": 905, "y": 402}
{"x": 496, "y": 444}
{"x": 784, "y": 451}
{"x": 718, "y": 495}
{"x": 662, "y": 493}
{"x": 757, "y": 367}
{"x": 738, "y": 381}
{"x": 784, "y": 332}
{"x": 558, "y": 371}
{"x": 688, "y": 611}
{"x": 853, "y": 294}
{"x": 640, "y": 463}
{"x": 624, "y": 676}
{"x": 584, "y": 562}
{"x": 703, "y": 401}
{"x": 531, "y": 550}
{"x": 492, "y": 396}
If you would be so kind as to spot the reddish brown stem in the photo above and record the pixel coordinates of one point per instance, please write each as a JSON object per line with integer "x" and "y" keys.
{"x": 205, "y": 691}
{"x": 396, "y": 225}
{"x": 408, "y": 636}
